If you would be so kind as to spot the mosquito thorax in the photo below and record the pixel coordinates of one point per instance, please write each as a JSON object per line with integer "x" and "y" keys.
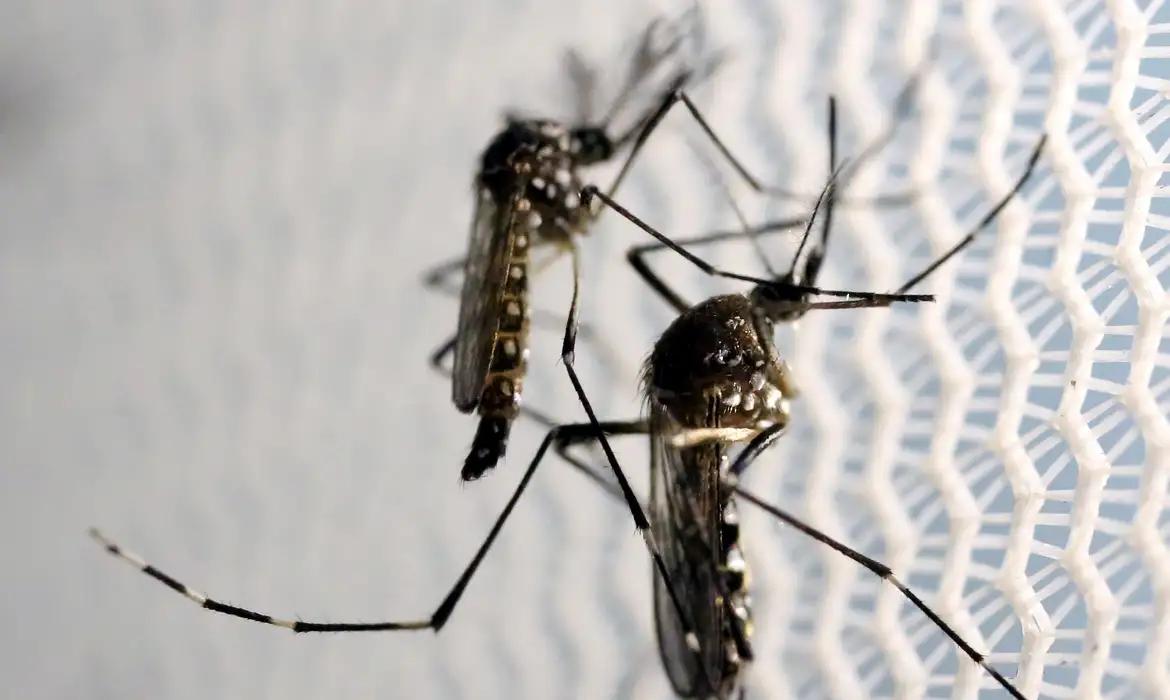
{"x": 539, "y": 156}
{"x": 719, "y": 354}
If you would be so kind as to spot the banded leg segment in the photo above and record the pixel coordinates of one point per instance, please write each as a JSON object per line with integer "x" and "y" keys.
{"x": 213, "y": 605}
{"x": 748, "y": 456}
{"x": 568, "y": 433}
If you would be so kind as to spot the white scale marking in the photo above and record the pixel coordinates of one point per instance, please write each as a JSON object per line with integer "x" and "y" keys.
{"x": 757, "y": 381}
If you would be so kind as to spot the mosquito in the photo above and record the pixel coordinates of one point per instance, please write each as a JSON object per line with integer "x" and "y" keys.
{"x": 527, "y": 194}
{"x": 714, "y": 381}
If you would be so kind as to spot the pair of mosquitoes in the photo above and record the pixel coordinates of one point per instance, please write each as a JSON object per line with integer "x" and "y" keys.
{"x": 717, "y": 390}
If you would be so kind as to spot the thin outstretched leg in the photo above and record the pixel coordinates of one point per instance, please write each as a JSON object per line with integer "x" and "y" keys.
{"x": 886, "y": 574}
{"x": 745, "y": 459}
{"x": 440, "y": 355}
{"x": 674, "y": 97}
{"x": 438, "y": 276}
{"x": 984, "y": 222}
{"x": 563, "y": 433}
{"x": 641, "y": 522}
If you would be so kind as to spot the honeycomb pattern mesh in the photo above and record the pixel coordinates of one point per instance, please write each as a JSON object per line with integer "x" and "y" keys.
{"x": 215, "y": 221}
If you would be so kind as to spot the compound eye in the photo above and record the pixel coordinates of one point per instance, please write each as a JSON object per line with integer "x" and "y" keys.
{"x": 594, "y": 144}
{"x": 780, "y": 291}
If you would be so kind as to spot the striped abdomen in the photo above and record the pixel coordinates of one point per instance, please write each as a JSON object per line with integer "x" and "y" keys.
{"x": 499, "y": 400}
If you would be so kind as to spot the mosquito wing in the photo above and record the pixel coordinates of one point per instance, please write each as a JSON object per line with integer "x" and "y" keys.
{"x": 684, "y": 512}
{"x": 484, "y": 276}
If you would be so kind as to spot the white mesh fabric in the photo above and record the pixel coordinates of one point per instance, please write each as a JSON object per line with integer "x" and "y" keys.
{"x": 215, "y": 218}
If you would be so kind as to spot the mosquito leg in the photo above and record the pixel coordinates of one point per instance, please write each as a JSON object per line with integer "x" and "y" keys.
{"x": 596, "y": 474}
{"x": 625, "y": 427}
{"x": 438, "y": 358}
{"x": 539, "y": 417}
{"x": 650, "y": 124}
{"x": 761, "y": 443}
{"x": 984, "y": 222}
{"x": 758, "y": 445}
{"x": 877, "y": 299}
{"x": 676, "y": 96}
{"x": 440, "y": 355}
{"x": 434, "y": 622}
{"x": 636, "y": 255}
{"x": 438, "y": 276}
{"x": 568, "y": 351}
{"x": 883, "y": 572}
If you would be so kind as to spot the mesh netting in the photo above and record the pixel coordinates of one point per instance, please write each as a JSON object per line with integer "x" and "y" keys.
{"x": 216, "y": 218}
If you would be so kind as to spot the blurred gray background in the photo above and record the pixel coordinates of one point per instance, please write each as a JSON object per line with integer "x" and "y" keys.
{"x": 215, "y": 218}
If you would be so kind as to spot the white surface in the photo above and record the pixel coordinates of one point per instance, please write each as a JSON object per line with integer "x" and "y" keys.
{"x": 215, "y": 218}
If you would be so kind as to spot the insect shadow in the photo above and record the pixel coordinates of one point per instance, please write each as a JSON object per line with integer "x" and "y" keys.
{"x": 714, "y": 381}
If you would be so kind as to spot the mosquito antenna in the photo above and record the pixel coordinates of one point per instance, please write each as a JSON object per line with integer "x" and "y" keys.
{"x": 832, "y": 166}
{"x": 829, "y": 185}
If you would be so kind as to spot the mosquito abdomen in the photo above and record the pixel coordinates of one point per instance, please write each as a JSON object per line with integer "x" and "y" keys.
{"x": 499, "y": 400}
{"x": 489, "y": 445}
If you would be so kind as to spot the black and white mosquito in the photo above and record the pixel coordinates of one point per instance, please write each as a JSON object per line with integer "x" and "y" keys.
{"x": 527, "y": 194}
{"x": 714, "y": 382}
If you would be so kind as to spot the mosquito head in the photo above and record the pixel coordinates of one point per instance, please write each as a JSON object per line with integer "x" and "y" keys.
{"x": 779, "y": 302}
{"x": 590, "y": 144}
{"x": 786, "y": 298}
{"x": 720, "y": 352}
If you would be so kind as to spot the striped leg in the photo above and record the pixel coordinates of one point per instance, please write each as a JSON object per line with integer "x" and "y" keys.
{"x": 754, "y": 449}
{"x": 562, "y": 433}
{"x": 215, "y": 606}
